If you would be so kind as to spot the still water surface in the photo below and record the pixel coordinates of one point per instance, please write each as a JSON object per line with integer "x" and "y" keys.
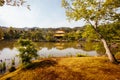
{"x": 8, "y": 50}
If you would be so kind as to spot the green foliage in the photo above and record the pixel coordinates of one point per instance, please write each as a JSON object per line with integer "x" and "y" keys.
{"x": 78, "y": 35}
{"x": 94, "y": 12}
{"x": 40, "y": 34}
{"x": 70, "y": 36}
{"x": 4, "y": 65}
{"x": 73, "y": 35}
{"x": 89, "y": 33}
{"x": 14, "y": 3}
{"x": 99, "y": 48}
{"x": 49, "y": 36}
{"x": 37, "y": 35}
{"x": 11, "y": 33}
{"x": 110, "y": 31}
{"x": 24, "y": 42}
{"x": 78, "y": 9}
{"x": 12, "y": 68}
{"x": 27, "y": 51}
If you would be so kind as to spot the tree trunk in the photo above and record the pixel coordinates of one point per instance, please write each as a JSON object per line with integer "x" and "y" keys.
{"x": 108, "y": 52}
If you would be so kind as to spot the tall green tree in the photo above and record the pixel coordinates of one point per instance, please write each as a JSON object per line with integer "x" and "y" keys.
{"x": 94, "y": 12}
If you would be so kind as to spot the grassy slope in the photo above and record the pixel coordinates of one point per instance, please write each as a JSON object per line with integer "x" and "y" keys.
{"x": 72, "y": 68}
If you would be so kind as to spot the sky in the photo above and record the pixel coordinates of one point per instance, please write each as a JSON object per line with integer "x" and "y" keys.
{"x": 43, "y": 14}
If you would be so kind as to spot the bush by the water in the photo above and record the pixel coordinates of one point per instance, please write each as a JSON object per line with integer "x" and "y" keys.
{"x": 27, "y": 52}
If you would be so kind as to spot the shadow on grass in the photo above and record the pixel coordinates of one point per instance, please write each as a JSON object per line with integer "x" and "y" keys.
{"x": 118, "y": 61}
{"x": 42, "y": 64}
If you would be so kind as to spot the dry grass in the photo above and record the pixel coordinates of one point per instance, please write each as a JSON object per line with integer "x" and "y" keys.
{"x": 72, "y": 68}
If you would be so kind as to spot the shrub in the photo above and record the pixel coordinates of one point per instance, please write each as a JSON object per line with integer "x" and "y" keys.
{"x": 27, "y": 52}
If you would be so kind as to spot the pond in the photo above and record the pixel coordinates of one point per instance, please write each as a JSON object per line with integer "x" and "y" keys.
{"x": 8, "y": 50}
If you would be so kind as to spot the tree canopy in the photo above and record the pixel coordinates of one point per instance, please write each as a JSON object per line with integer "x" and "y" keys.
{"x": 96, "y": 13}
{"x": 14, "y": 3}
{"x": 92, "y": 11}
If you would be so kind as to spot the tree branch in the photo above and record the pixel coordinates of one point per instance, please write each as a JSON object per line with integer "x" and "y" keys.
{"x": 95, "y": 29}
